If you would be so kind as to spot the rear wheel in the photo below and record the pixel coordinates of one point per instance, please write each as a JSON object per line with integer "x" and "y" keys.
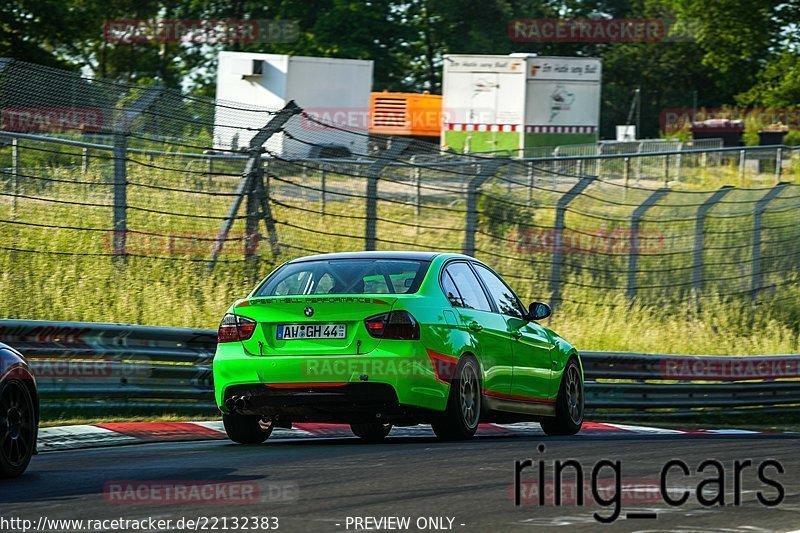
{"x": 17, "y": 428}
{"x": 569, "y": 404}
{"x": 371, "y": 431}
{"x": 246, "y": 429}
{"x": 460, "y": 419}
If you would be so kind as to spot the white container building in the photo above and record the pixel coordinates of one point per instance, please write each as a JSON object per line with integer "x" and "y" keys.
{"x": 335, "y": 90}
{"x": 508, "y": 103}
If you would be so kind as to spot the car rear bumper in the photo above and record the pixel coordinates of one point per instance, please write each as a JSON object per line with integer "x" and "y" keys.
{"x": 397, "y": 380}
{"x": 335, "y": 403}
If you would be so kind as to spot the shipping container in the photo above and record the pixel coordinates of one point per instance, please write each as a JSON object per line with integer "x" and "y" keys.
{"x": 509, "y": 103}
{"x": 418, "y": 116}
{"x": 331, "y": 90}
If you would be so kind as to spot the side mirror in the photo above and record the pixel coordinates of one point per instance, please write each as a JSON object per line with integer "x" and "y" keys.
{"x": 538, "y": 311}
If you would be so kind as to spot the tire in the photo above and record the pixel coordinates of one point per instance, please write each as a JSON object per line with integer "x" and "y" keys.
{"x": 17, "y": 428}
{"x": 245, "y": 429}
{"x": 463, "y": 413}
{"x": 569, "y": 403}
{"x": 371, "y": 431}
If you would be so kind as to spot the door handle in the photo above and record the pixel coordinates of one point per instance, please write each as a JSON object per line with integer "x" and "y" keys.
{"x": 515, "y": 333}
{"x": 474, "y": 326}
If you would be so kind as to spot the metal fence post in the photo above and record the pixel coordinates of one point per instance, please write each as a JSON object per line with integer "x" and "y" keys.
{"x": 122, "y": 129}
{"x": 85, "y": 160}
{"x": 553, "y": 162}
{"x": 417, "y": 192}
{"x": 666, "y": 171}
{"x": 252, "y": 183}
{"x": 251, "y": 236}
{"x": 699, "y": 236}
{"x": 742, "y": 161}
{"x": 530, "y": 184}
{"x": 14, "y": 176}
{"x": 485, "y": 171}
{"x": 262, "y": 193}
{"x": 639, "y": 163}
{"x": 322, "y": 188}
{"x": 373, "y": 173}
{"x": 756, "y": 277}
{"x": 626, "y": 173}
{"x": 120, "y": 194}
{"x": 558, "y": 228}
{"x": 633, "y": 253}
{"x": 778, "y": 164}
{"x": 626, "y": 176}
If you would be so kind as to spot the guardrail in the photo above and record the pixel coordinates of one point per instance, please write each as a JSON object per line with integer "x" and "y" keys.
{"x": 111, "y": 367}
{"x": 671, "y": 384}
{"x": 108, "y": 367}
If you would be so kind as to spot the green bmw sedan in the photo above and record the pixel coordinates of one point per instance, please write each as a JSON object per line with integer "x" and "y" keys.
{"x": 376, "y": 339}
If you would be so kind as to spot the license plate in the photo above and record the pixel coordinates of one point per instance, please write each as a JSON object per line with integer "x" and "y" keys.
{"x": 288, "y": 332}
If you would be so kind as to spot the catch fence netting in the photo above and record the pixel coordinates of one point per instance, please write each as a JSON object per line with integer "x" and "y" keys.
{"x": 122, "y": 202}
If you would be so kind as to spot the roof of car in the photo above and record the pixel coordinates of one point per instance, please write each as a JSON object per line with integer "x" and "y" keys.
{"x": 408, "y": 255}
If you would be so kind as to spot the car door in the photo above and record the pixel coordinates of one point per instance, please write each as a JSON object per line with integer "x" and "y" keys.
{"x": 531, "y": 344}
{"x": 489, "y": 329}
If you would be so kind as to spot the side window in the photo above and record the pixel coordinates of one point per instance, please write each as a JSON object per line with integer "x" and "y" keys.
{"x": 506, "y": 301}
{"x": 450, "y": 290}
{"x": 472, "y": 295}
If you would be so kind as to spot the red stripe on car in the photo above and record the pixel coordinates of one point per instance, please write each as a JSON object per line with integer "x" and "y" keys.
{"x": 516, "y": 397}
{"x": 444, "y": 366}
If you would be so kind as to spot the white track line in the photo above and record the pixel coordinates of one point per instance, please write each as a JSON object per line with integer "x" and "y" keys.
{"x": 647, "y": 429}
{"x": 80, "y": 436}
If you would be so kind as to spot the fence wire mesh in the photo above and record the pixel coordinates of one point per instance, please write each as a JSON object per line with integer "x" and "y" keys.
{"x": 138, "y": 204}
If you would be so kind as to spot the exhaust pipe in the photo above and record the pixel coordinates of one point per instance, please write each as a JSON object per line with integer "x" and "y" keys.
{"x": 235, "y": 403}
{"x": 240, "y": 403}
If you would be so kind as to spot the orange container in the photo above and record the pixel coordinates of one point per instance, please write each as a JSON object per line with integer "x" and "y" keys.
{"x": 408, "y": 114}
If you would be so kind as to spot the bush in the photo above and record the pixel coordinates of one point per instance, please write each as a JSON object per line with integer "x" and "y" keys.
{"x": 500, "y": 211}
{"x": 792, "y": 138}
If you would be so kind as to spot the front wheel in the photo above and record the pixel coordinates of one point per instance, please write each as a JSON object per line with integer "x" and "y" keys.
{"x": 460, "y": 419}
{"x": 246, "y": 429}
{"x": 569, "y": 404}
{"x": 17, "y": 428}
{"x": 371, "y": 431}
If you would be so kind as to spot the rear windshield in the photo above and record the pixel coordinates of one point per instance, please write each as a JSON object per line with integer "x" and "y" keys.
{"x": 346, "y": 276}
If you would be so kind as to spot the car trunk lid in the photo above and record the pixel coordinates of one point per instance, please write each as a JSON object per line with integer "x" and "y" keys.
{"x": 294, "y": 315}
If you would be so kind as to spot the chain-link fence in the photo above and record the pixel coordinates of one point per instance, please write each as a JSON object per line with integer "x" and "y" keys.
{"x": 132, "y": 210}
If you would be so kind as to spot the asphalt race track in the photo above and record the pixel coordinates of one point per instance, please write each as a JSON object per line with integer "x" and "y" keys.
{"x": 316, "y": 484}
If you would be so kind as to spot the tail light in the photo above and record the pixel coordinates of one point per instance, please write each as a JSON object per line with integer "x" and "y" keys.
{"x": 399, "y": 325}
{"x": 235, "y": 328}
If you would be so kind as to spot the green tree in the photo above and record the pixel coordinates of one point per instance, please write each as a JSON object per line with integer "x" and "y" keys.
{"x": 37, "y": 30}
{"x": 777, "y": 85}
